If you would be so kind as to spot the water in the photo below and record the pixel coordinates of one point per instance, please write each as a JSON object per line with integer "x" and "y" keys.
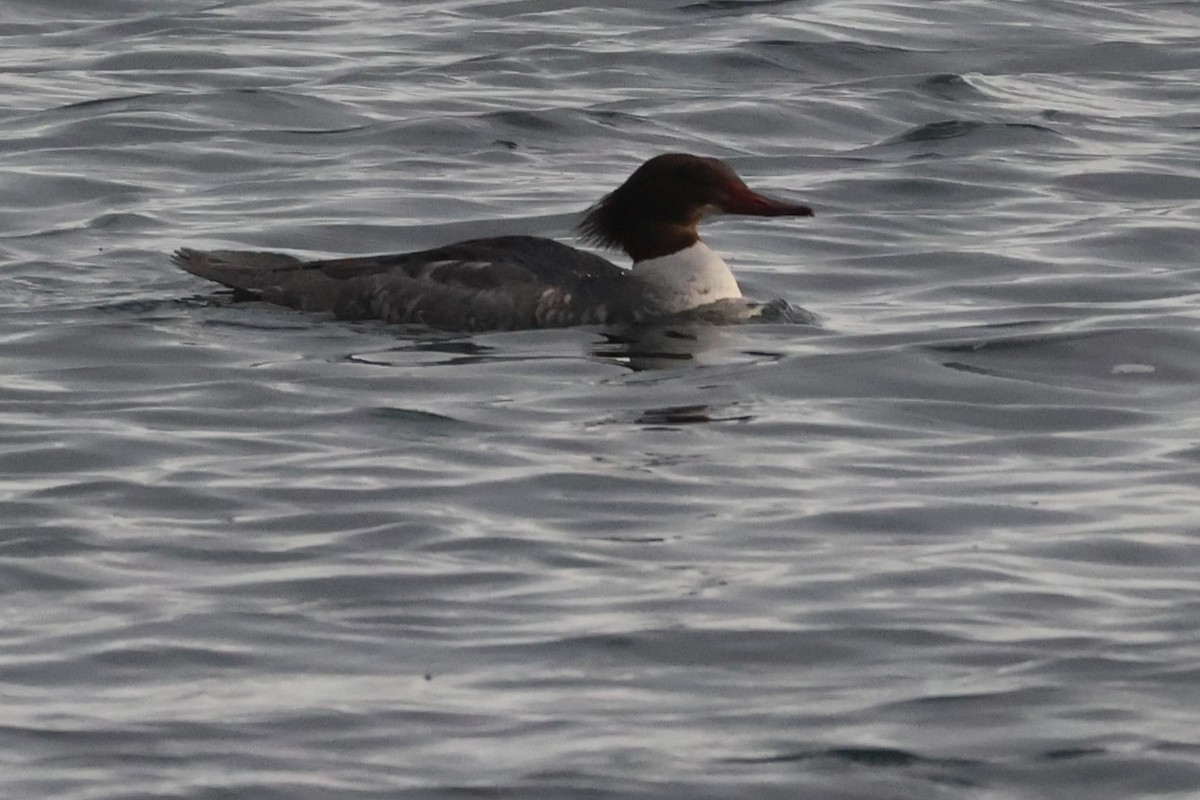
{"x": 937, "y": 540}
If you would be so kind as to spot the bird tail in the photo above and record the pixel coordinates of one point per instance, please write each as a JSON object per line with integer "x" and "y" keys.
{"x": 247, "y": 270}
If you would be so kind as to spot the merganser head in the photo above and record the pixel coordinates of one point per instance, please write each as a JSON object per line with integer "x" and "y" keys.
{"x": 655, "y": 212}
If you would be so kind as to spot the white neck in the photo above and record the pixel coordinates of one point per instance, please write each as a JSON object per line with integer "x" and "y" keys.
{"x": 689, "y": 278}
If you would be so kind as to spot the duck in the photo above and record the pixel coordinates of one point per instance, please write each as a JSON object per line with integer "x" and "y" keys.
{"x": 519, "y": 282}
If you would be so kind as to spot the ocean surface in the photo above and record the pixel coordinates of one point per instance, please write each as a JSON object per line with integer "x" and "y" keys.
{"x": 934, "y": 533}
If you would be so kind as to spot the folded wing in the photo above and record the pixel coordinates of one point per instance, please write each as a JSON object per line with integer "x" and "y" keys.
{"x": 484, "y": 284}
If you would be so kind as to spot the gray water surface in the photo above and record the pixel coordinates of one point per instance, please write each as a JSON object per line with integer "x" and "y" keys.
{"x": 935, "y": 536}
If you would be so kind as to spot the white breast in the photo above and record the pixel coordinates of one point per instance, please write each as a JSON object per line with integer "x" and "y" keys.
{"x": 689, "y": 278}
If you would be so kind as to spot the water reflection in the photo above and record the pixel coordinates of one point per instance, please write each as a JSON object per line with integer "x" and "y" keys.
{"x": 688, "y": 338}
{"x": 658, "y": 347}
{"x": 687, "y": 415}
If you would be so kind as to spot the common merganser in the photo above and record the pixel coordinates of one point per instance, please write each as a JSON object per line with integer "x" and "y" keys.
{"x": 510, "y": 282}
